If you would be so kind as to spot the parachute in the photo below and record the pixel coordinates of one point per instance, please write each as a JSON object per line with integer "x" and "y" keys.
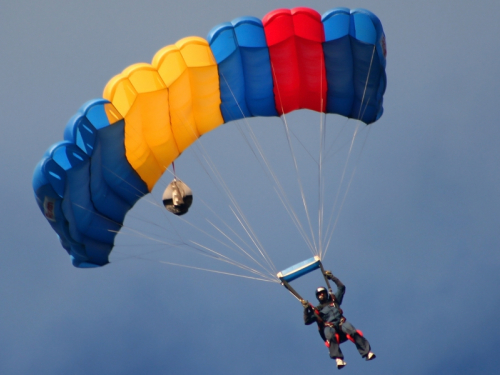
{"x": 116, "y": 148}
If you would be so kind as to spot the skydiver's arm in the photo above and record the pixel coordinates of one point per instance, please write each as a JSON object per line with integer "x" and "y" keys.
{"x": 309, "y": 316}
{"x": 339, "y": 294}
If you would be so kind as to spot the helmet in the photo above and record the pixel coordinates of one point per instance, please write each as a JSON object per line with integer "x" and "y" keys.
{"x": 321, "y": 289}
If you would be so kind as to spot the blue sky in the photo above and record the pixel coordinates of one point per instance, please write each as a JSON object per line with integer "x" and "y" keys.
{"x": 417, "y": 242}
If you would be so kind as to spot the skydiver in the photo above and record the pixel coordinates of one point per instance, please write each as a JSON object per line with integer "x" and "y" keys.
{"x": 333, "y": 327}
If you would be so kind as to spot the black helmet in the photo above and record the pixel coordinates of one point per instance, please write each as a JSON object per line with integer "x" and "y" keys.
{"x": 321, "y": 289}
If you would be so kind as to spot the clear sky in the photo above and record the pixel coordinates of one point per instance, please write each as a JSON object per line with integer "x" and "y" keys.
{"x": 417, "y": 242}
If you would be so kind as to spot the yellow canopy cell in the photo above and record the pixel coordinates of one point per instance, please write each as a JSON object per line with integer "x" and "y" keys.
{"x": 204, "y": 81}
{"x": 174, "y": 73}
{"x": 141, "y": 97}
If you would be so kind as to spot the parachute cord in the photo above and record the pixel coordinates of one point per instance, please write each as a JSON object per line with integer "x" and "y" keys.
{"x": 361, "y": 113}
{"x": 348, "y": 187}
{"x": 226, "y": 235}
{"x": 263, "y": 277}
{"x": 231, "y": 240}
{"x": 304, "y": 147}
{"x": 249, "y": 234}
{"x": 231, "y": 197}
{"x": 340, "y": 184}
{"x": 224, "y": 273}
{"x": 330, "y": 153}
{"x": 266, "y": 279}
{"x": 223, "y": 184}
{"x": 231, "y": 229}
{"x": 362, "y": 110}
{"x": 320, "y": 164}
{"x": 280, "y": 191}
{"x": 173, "y": 169}
{"x": 321, "y": 182}
{"x": 227, "y": 225}
{"x": 299, "y": 180}
{"x": 270, "y": 173}
{"x": 205, "y": 251}
{"x": 283, "y": 118}
{"x": 330, "y": 233}
{"x": 366, "y": 86}
{"x": 230, "y": 261}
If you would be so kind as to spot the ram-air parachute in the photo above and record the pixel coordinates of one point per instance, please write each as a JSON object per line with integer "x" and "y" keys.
{"x": 115, "y": 149}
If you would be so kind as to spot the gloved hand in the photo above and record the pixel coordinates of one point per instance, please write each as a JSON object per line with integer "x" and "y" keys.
{"x": 329, "y": 274}
{"x": 304, "y": 303}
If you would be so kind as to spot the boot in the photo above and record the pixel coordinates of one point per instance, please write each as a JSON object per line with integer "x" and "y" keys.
{"x": 340, "y": 363}
{"x": 370, "y": 356}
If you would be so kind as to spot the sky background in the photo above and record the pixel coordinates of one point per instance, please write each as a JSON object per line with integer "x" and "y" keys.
{"x": 417, "y": 242}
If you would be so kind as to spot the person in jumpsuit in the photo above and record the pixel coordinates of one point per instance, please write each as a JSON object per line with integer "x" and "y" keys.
{"x": 330, "y": 319}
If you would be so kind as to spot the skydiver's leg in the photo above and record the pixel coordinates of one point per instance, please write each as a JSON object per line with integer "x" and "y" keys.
{"x": 335, "y": 351}
{"x": 361, "y": 343}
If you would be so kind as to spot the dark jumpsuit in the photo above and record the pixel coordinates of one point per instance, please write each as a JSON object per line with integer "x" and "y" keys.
{"x": 331, "y": 321}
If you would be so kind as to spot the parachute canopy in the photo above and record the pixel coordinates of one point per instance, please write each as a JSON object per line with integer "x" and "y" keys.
{"x": 117, "y": 148}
